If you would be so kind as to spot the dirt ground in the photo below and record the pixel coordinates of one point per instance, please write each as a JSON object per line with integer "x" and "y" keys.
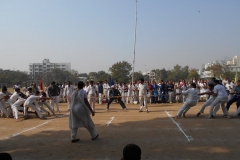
{"x": 158, "y": 135}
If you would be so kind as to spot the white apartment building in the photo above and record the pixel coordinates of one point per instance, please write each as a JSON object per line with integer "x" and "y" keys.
{"x": 47, "y": 66}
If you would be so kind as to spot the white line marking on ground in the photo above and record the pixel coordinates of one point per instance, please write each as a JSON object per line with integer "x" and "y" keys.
{"x": 189, "y": 138}
{"x": 110, "y": 121}
{"x": 19, "y": 133}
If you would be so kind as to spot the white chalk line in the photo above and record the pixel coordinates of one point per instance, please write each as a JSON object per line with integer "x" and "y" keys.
{"x": 189, "y": 138}
{"x": 110, "y": 121}
{"x": 29, "y": 129}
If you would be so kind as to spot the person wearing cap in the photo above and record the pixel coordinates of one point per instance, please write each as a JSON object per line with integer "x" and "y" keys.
{"x": 131, "y": 152}
{"x": 53, "y": 92}
{"x": 115, "y": 94}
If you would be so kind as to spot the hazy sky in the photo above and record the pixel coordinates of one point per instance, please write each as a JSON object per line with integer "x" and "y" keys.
{"x": 95, "y": 34}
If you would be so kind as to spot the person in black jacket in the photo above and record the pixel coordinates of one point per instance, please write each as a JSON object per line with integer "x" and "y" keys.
{"x": 53, "y": 92}
{"x": 115, "y": 94}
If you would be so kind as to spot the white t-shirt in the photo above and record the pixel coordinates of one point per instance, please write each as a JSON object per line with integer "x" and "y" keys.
{"x": 142, "y": 89}
{"x": 91, "y": 90}
{"x": 13, "y": 97}
{"x": 31, "y": 99}
{"x": 192, "y": 94}
{"x": 220, "y": 91}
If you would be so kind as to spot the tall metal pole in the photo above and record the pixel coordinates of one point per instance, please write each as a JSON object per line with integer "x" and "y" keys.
{"x": 135, "y": 35}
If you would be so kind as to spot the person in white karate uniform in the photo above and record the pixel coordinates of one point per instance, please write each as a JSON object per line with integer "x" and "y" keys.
{"x": 14, "y": 97}
{"x": 80, "y": 110}
{"x": 29, "y": 103}
{"x": 143, "y": 95}
{"x": 17, "y": 105}
{"x": 43, "y": 102}
{"x": 222, "y": 98}
{"x": 68, "y": 90}
{"x": 192, "y": 98}
{"x": 209, "y": 101}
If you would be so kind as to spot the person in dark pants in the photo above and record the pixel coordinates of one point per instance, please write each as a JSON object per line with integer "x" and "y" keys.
{"x": 163, "y": 91}
{"x": 115, "y": 94}
{"x": 236, "y": 97}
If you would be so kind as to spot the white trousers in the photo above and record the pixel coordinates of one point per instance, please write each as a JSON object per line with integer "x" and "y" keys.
{"x": 33, "y": 107}
{"x": 130, "y": 97}
{"x": 143, "y": 99}
{"x": 216, "y": 102}
{"x": 100, "y": 98}
{"x": 56, "y": 100}
{"x": 208, "y": 103}
{"x": 3, "y": 109}
{"x": 92, "y": 131}
{"x": 186, "y": 106}
{"x": 69, "y": 100}
{"x": 16, "y": 107}
{"x": 92, "y": 101}
{"x": 41, "y": 104}
{"x": 124, "y": 97}
{"x": 237, "y": 112}
{"x": 105, "y": 92}
{"x": 170, "y": 95}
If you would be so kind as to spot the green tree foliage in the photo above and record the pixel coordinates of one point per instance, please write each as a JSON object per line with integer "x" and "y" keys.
{"x": 193, "y": 73}
{"x": 120, "y": 71}
{"x": 10, "y": 77}
{"x": 137, "y": 76}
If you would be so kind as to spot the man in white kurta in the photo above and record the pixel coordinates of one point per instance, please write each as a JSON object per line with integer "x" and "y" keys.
{"x": 192, "y": 98}
{"x": 222, "y": 98}
{"x": 80, "y": 114}
{"x": 143, "y": 95}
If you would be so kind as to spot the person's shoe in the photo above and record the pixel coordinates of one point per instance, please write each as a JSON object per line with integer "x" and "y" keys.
{"x": 95, "y": 137}
{"x": 107, "y": 109}
{"x": 229, "y": 117}
{"x": 147, "y": 111}
{"x": 75, "y": 140}
{"x": 198, "y": 114}
{"x": 124, "y": 108}
{"x": 184, "y": 114}
{"x": 211, "y": 117}
{"x": 171, "y": 102}
{"x": 225, "y": 116}
{"x": 140, "y": 111}
{"x": 43, "y": 118}
{"x": 177, "y": 117}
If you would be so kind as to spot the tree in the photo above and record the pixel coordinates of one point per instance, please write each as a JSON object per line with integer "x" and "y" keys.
{"x": 120, "y": 71}
{"x": 193, "y": 73}
{"x": 137, "y": 76}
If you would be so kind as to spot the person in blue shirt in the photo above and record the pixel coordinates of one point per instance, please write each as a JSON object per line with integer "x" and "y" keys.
{"x": 155, "y": 88}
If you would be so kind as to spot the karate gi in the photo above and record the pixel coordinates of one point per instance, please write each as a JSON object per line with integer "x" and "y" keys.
{"x": 191, "y": 101}
{"x": 29, "y": 103}
{"x": 222, "y": 98}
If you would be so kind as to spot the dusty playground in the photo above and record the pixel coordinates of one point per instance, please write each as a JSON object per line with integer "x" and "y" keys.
{"x": 158, "y": 135}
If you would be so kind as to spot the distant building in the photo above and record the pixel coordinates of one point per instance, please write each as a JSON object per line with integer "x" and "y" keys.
{"x": 46, "y": 66}
{"x": 234, "y": 64}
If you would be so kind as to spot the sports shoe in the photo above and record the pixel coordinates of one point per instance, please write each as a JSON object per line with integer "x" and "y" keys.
{"x": 198, "y": 114}
{"x": 75, "y": 140}
{"x": 140, "y": 111}
{"x": 95, "y": 137}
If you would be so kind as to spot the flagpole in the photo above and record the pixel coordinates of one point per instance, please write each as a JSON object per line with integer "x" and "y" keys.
{"x": 134, "y": 48}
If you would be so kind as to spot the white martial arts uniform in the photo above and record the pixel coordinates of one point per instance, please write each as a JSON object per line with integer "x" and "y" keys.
{"x": 191, "y": 100}
{"x": 143, "y": 96}
{"x": 2, "y": 108}
{"x": 29, "y": 103}
{"x": 16, "y": 106}
{"x": 222, "y": 98}
{"x": 80, "y": 115}
{"x": 105, "y": 90}
{"x": 41, "y": 103}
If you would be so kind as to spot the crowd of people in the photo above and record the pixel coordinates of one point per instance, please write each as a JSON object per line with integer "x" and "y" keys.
{"x": 32, "y": 99}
